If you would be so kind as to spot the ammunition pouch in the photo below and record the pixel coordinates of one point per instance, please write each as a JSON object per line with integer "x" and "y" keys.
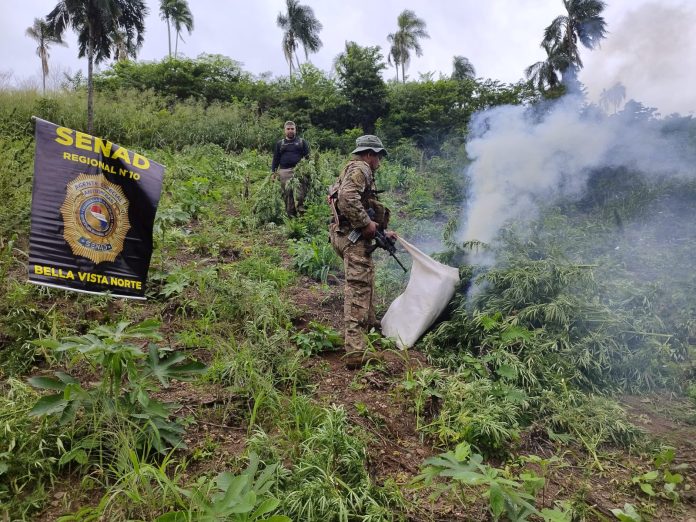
{"x": 382, "y": 214}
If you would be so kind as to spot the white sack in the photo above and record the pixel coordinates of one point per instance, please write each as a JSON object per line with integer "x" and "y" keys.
{"x": 430, "y": 288}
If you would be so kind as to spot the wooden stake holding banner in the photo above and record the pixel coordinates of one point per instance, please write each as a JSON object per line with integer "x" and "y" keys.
{"x": 92, "y": 212}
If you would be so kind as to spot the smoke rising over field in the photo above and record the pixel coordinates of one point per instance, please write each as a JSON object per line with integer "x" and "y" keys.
{"x": 523, "y": 160}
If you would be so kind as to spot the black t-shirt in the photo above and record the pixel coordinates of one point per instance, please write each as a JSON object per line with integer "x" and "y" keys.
{"x": 288, "y": 153}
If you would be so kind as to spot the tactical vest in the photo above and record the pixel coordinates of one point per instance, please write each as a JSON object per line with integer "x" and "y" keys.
{"x": 294, "y": 144}
{"x": 369, "y": 198}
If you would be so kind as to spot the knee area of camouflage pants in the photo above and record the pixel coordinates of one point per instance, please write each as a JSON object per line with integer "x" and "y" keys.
{"x": 358, "y": 306}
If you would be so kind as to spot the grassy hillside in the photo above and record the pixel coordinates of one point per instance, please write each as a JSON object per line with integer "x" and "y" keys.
{"x": 559, "y": 385}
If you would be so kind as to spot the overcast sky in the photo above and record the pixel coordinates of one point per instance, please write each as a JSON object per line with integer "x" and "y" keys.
{"x": 650, "y": 48}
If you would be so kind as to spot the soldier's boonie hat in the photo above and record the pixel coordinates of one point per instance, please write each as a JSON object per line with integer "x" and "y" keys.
{"x": 369, "y": 142}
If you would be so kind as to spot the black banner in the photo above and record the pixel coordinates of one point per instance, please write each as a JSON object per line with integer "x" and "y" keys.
{"x": 92, "y": 211}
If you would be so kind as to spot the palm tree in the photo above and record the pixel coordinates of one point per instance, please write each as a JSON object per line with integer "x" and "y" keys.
{"x": 123, "y": 46}
{"x": 176, "y": 12}
{"x": 462, "y": 68}
{"x": 166, "y": 14}
{"x": 95, "y": 22}
{"x": 394, "y": 55}
{"x": 183, "y": 18}
{"x": 44, "y": 38}
{"x": 300, "y": 26}
{"x": 583, "y": 23}
{"x": 543, "y": 75}
{"x": 411, "y": 30}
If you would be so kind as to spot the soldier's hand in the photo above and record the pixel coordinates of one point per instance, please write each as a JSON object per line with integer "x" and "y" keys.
{"x": 391, "y": 235}
{"x": 369, "y": 231}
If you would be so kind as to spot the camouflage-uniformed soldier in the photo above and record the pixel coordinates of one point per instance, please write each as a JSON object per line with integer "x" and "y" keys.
{"x": 353, "y": 198}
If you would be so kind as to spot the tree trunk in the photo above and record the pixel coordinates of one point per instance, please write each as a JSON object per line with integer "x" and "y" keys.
{"x": 176, "y": 45}
{"x": 43, "y": 53}
{"x": 90, "y": 84}
{"x": 169, "y": 38}
{"x": 396, "y": 66}
{"x": 297, "y": 59}
{"x": 403, "y": 73}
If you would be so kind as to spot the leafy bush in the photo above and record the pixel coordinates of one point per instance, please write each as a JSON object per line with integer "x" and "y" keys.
{"x": 237, "y": 498}
{"x": 123, "y": 394}
{"x": 29, "y": 451}
{"x": 465, "y": 474}
{"x": 329, "y": 480}
{"x": 315, "y": 258}
{"x": 319, "y": 338}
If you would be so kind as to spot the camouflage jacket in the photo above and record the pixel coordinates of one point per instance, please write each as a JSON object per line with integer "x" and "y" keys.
{"x": 353, "y": 193}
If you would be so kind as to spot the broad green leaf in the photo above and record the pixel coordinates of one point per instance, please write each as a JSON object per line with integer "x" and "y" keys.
{"x": 48, "y": 405}
{"x": 650, "y": 475}
{"x": 496, "y": 499}
{"x": 666, "y": 456}
{"x": 647, "y": 489}
{"x": 462, "y": 452}
{"x": 673, "y": 478}
{"x": 470, "y": 478}
{"x": 67, "y": 379}
{"x": 556, "y": 515}
{"x": 266, "y": 506}
{"x": 78, "y": 455}
{"x": 627, "y": 514}
{"x": 170, "y": 366}
{"x": 69, "y": 412}
{"x": 245, "y": 504}
{"x": 231, "y": 484}
{"x": 46, "y": 383}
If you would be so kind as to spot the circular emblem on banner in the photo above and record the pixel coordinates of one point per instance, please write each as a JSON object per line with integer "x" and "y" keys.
{"x": 95, "y": 216}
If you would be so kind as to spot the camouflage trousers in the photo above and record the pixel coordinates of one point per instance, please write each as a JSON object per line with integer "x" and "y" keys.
{"x": 359, "y": 291}
{"x": 294, "y": 199}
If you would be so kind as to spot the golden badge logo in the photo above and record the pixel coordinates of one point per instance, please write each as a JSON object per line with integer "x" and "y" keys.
{"x": 95, "y": 216}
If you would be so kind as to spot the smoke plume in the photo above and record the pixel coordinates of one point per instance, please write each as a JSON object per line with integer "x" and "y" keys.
{"x": 523, "y": 160}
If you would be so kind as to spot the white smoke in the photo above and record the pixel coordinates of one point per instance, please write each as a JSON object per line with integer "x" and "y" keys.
{"x": 651, "y": 49}
{"x": 522, "y": 161}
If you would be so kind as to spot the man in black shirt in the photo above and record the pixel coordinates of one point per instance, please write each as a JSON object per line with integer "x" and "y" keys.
{"x": 287, "y": 153}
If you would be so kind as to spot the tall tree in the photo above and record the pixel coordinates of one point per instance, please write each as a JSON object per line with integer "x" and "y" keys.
{"x": 300, "y": 26}
{"x": 462, "y": 69}
{"x": 543, "y": 75}
{"x": 583, "y": 23}
{"x": 179, "y": 14}
{"x": 40, "y": 33}
{"x": 406, "y": 39}
{"x": 612, "y": 97}
{"x": 358, "y": 72}
{"x": 166, "y": 15}
{"x": 394, "y": 56}
{"x": 96, "y": 22}
{"x": 124, "y": 46}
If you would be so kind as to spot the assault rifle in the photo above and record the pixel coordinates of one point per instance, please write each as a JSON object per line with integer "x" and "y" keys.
{"x": 381, "y": 241}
